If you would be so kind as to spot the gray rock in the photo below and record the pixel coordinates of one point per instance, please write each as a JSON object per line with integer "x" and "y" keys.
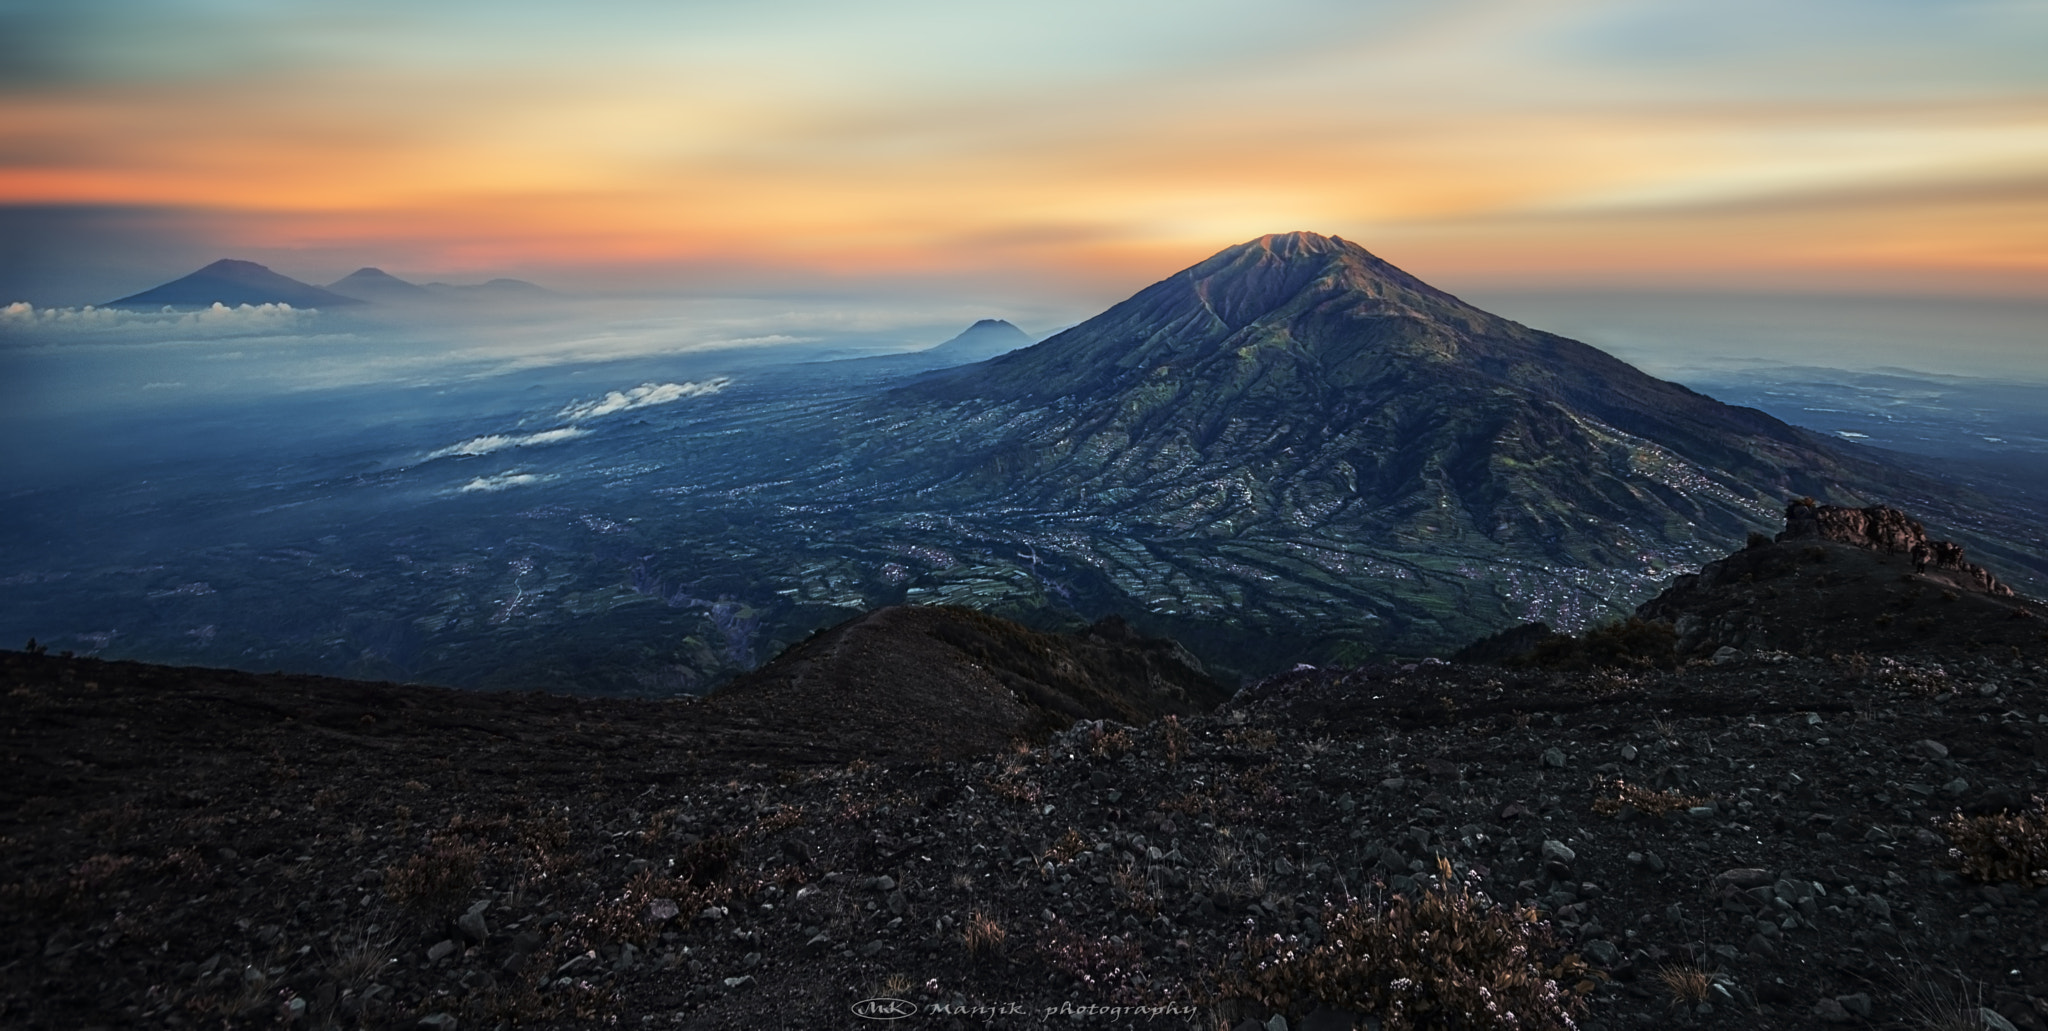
{"x": 1877, "y": 834}
{"x": 871, "y": 948}
{"x": 1993, "y": 1021}
{"x": 1760, "y": 945}
{"x": 712, "y": 914}
{"x": 1628, "y": 753}
{"x": 1956, "y": 786}
{"x": 577, "y": 965}
{"x": 733, "y": 984}
{"x": 1278, "y": 1023}
{"x": 442, "y": 950}
{"x": 1602, "y": 952}
{"x": 1859, "y": 1003}
{"x": 1745, "y": 877}
{"x": 1931, "y": 748}
{"x": 1724, "y": 655}
{"x": 471, "y": 923}
{"x": 1830, "y": 1011}
{"x": 885, "y": 883}
{"x": 1553, "y": 758}
{"x": 1558, "y": 852}
{"x": 897, "y": 903}
{"x": 438, "y": 1022}
{"x": 1654, "y": 863}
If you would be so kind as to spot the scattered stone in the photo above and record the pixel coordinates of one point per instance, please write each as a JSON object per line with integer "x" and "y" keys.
{"x": 438, "y": 1022}
{"x": 1993, "y": 1020}
{"x": 1858, "y": 1004}
{"x": 1830, "y": 1011}
{"x": 1931, "y": 748}
{"x": 1745, "y": 877}
{"x": 441, "y": 950}
{"x": 1554, "y": 758}
{"x": 471, "y": 923}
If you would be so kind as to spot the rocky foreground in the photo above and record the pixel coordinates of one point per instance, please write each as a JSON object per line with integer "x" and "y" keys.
{"x": 1768, "y": 842}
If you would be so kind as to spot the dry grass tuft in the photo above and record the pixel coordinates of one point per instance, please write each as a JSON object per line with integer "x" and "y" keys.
{"x": 1173, "y": 738}
{"x": 982, "y": 935}
{"x": 1686, "y": 983}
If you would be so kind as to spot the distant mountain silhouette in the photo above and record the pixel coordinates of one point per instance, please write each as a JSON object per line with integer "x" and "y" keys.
{"x": 234, "y": 283}
{"x": 495, "y": 287}
{"x": 377, "y": 286}
{"x": 985, "y": 339}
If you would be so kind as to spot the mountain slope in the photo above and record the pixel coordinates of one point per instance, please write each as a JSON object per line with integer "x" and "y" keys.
{"x": 232, "y": 282}
{"x": 378, "y": 286}
{"x": 1298, "y": 436}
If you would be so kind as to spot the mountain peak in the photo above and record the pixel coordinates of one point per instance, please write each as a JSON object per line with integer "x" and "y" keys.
{"x": 375, "y": 284}
{"x": 231, "y": 281}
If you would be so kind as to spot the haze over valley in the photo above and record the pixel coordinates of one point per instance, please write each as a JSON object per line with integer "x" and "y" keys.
{"x": 632, "y": 496}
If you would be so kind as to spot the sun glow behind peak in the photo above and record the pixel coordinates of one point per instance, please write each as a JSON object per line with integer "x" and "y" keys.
{"x": 637, "y": 145}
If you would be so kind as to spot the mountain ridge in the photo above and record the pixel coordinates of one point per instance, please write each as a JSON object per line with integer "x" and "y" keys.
{"x": 234, "y": 282}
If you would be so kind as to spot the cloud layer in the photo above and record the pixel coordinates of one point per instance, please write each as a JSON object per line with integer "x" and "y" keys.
{"x": 218, "y": 320}
{"x": 502, "y": 481}
{"x": 646, "y": 395}
{"x": 489, "y": 443}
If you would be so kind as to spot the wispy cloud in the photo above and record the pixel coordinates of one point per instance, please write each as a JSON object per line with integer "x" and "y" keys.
{"x": 489, "y": 443}
{"x": 646, "y": 395}
{"x": 502, "y": 481}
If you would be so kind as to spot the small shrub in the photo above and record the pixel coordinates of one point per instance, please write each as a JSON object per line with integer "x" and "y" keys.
{"x": 1134, "y": 889}
{"x": 1252, "y": 739}
{"x": 1108, "y": 744}
{"x": 1109, "y": 968}
{"x": 1067, "y": 847}
{"x": 1644, "y": 800}
{"x": 437, "y": 880}
{"x": 2004, "y": 846}
{"x": 1449, "y": 958}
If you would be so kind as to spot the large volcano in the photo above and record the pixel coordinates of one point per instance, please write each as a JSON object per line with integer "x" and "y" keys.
{"x": 1295, "y": 418}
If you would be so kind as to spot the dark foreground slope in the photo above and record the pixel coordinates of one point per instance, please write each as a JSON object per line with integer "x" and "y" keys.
{"x": 191, "y": 848}
{"x": 953, "y": 681}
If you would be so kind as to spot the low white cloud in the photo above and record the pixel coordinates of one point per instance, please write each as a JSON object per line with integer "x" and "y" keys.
{"x": 646, "y": 395}
{"x": 218, "y": 320}
{"x": 489, "y": 443}
{"x": 502, "y": 481}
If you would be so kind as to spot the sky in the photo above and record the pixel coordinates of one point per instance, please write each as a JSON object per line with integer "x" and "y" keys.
{"x": 1066, "y": 151}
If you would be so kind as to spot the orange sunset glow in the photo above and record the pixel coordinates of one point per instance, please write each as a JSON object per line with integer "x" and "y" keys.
{"x": 628, "y": 146}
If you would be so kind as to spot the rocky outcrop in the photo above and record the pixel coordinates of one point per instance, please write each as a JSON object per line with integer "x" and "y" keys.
{"x": 1889, "y": 531}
